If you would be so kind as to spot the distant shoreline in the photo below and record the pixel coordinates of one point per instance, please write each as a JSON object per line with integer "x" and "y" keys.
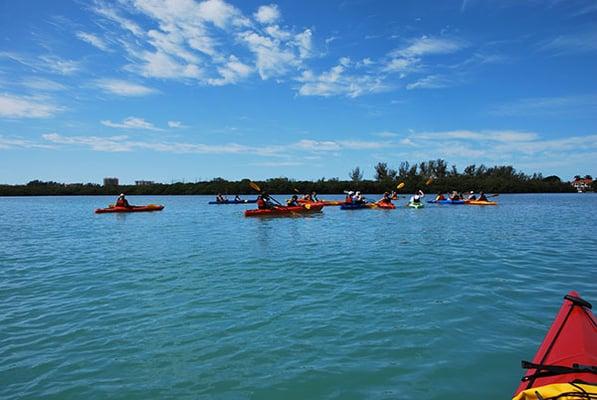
{"x": 286, "y": 186}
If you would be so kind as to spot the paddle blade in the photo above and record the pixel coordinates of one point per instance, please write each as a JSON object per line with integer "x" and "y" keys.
{"x": 255, "y": 186}
{"x": 429, "y": 181}
{"x": 400, "y": 185}
{"x": 296, "y": 190}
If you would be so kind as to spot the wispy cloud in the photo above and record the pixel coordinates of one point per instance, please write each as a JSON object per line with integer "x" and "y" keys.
{"x": 584, "y": 105}
{"x": 176, "y": 124}
{"x": 131, "y": 123}
{"x": 429, "y": 45}
{"x": 93, "y": 40}
{"x": 338, "y": 81}
{"x": 20, "y": 143}
{"x": 44, "y": 63}
{"x": 430, "y": 82}
{"x": 124, "y": 88}
{"x": 12, "y": 106}
{"x": 582, "y": 42}
{"x": 42, "y": 84}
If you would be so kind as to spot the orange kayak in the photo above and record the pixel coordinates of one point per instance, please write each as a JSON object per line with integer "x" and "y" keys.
{"x": 324, "y": 202}
{"x": 480, "y": 203}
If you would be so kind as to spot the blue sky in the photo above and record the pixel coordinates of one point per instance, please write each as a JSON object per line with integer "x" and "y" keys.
{"x": 191, "y": 90}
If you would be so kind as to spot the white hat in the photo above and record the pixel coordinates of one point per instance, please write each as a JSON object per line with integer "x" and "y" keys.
{"x": 350, "y": 192}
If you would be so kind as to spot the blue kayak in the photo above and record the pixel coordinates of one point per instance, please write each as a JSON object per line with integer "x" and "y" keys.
{"x": 233, "y": 202}
{"x": 447, "y": 201}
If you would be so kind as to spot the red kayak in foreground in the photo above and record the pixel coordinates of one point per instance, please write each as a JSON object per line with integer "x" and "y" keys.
{"x": 302, "y": 209}
{"x": 149, "y": 207}
{"x": 565, "y": 365}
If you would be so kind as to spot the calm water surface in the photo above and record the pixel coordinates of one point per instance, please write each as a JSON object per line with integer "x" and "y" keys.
{"x": 198, "y": 301}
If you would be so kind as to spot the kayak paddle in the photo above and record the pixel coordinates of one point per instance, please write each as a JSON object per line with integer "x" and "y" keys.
{"x": 257, "y": 188}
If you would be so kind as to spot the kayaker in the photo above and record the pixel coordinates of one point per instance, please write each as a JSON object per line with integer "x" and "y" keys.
{"x": 237, "y": 198}
{"x": 482, "y": 197}
{"x": 314, "y": 196}
{"x": 264, "y": 202}
{"x": 348, "y": 198}
{"x": 394, "y": 195}
{"x": 455, "y": 195}
{"x": 358, "y": 198}
{"x": 122, "y": 201}
{"x": 220, "y": 198}
{"x": 471, "y": 196}
{"x": 440, "y": 197}
{"x": 416, "y": 198}
{"x": 387, "y": 199}
{"x": 308, "y": 198}
{"x": 293, "y": 201}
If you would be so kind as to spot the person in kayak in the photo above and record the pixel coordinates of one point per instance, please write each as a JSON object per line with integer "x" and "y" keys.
{"x": 358, "y": 198}
{"x": 348, "y": 199}
{"x": 416, "y": 198}
{"x": 471, "y": 196}
{"x": 455, "y": 195}
{"x": 237, "y": 198}
{"x": 220, "y": 198}
{"x": 482, "y": 197}
{"x": 122, "y": 201}
{"x": 293, "y": 201}
{"x": 264, "y": 202}
{"x": 387, "y": 198}
{"x": 394, "y": 195}
{"x": 314, "y": 196}
{"x": 308, "y": 197}
{"x": 440, "y": 197}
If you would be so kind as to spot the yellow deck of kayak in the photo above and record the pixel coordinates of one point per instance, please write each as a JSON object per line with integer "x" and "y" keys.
{"x": 558, "y": 390}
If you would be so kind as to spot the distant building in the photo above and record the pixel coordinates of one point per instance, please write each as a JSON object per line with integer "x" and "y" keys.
{"x": 582, "y": 184}
{"x": 144, "y": 183}
{"x": 110, "y": 181}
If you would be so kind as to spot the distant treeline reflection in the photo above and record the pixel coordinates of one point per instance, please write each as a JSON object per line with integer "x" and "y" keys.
{"x": 497, "y": 179}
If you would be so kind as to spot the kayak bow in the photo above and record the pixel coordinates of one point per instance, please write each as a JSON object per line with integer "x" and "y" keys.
{"x": 567, "y": 357}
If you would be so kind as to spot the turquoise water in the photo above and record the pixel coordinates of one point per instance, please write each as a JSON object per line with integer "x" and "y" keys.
{"x": 198, "y": 301}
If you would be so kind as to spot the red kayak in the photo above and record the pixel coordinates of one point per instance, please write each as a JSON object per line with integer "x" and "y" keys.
{"x": 566, "y": 361}
{"x": 149, "y": 207}
{"x": 281, "y": 210}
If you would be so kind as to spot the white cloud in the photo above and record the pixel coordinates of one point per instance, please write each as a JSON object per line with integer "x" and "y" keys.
{"x": 131, "y": 123}
{"x": 583, "y": 42}
{"x": 59, "y": 65}
{"x": 42, "y": 84}
{"x": 176, "y": 124}
{"x": 232, "y": 72}
{"x": 191, "y": 40}
{"x": 267, "y": 14}
{"x": 124, "y": 88}
{"x": 426, "y": 45}
{"x": 488, "y": 135}
{"x": 272, "y": 59}
{"x": 430, "y": 82}
{"x": 114, "y": 16}
{"x": 12, "y": 106}
{"x": 548, "y": 106}
{"x": 124, "y": 144}
{"x": 12, "y": 143}
{"x": 337, "y": 82}
{"x": 44, "y": 63}
{"x": 93, "y": 40}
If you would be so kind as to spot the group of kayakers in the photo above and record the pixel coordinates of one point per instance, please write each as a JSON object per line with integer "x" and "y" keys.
{"x": 220, "y": 198}
{"x": 456, "y": 196}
